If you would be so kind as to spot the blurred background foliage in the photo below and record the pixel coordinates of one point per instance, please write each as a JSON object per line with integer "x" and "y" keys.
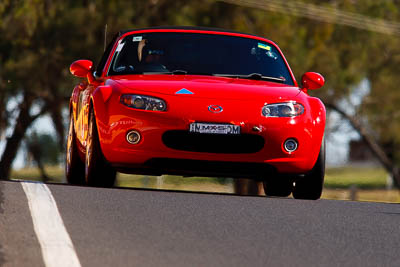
{"x": 40, "y": 38}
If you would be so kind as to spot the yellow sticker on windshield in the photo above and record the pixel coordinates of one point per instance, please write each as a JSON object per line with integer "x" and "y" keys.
{"x": 264, "y": 46}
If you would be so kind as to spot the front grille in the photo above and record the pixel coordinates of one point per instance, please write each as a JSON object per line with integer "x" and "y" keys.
{"x": 213, "y": 143}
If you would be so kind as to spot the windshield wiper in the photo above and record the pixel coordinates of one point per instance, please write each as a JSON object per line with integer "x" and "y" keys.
{"x": 252, "y": 76}
{"x": 175, "y": 72}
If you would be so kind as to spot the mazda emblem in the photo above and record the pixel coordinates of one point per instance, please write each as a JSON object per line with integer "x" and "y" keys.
{"x": 215, "y": 109}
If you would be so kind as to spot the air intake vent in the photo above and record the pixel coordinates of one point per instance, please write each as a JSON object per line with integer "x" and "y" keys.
{"x": 213, "y": 143}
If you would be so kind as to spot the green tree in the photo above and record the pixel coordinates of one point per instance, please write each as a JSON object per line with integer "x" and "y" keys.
{"x": 42, "y": 149}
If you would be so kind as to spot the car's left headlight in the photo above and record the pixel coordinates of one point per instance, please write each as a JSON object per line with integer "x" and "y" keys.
{"x": 144, "y": 102}
{"x": 288, "y": 109}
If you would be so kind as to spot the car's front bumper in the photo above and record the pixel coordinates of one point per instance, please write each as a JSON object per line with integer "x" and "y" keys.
{"x": 151, "y": 154}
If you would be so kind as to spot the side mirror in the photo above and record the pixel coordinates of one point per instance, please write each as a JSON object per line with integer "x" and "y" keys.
{"x": 81, "y": 68}
{"x": 312, "y": 81}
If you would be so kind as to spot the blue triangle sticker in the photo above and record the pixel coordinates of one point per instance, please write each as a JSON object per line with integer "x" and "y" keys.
{"x": 183, "y": 91}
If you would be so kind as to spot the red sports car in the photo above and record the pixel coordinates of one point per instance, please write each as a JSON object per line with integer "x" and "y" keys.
{"x": 196, "y": 102}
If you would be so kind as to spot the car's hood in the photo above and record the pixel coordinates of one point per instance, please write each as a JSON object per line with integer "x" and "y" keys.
{"x": 198, "y": 86}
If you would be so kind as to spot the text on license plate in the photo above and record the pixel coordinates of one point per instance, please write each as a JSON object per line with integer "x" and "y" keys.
{"x": 214, "y": 128}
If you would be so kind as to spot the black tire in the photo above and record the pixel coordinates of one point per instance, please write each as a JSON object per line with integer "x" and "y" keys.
{"x": 311, "y": 185}
{"x": 279, "y": 186}
{"x": 98, "y": 171}
{"x": 74, "y": 166}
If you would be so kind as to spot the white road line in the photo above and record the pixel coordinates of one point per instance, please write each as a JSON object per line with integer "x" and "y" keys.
{"x": 57, "y": 247}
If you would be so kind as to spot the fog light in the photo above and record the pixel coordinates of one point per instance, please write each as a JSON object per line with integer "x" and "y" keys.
{"x": 133, "y": 137}
{"x": 290, "y": 145}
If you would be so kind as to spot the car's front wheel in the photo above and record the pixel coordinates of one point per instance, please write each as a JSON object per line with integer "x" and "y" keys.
{"x": 310, "y": 186}
{"x": 98, "y": 171}
{"x": 74, "y": 166}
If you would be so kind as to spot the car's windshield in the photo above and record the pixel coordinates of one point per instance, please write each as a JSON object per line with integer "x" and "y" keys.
{"x": 204, "y": 54}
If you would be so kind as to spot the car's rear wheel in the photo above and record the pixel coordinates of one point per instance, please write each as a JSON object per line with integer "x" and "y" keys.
{"x": 98, "y": 171}
{"x": 311, "y": 185}
{"x": 279, "y": 186}
{"x": 74, "y": 166}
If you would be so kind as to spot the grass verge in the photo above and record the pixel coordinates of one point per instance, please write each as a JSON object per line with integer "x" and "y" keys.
{"x": 362, "y": 177}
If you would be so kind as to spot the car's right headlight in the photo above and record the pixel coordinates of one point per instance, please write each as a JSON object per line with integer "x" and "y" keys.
{"x": 288, "y": 109}
{"x": 144, "y": 102}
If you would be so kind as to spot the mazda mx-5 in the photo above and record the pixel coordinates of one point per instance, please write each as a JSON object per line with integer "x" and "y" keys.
{"x": 196, "y": 102}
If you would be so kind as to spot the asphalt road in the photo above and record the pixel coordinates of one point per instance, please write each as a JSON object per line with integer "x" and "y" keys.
{"x": 127, "y": 227}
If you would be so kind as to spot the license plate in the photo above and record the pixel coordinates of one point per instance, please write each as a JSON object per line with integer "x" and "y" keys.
{"x": 210, "y": 128}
